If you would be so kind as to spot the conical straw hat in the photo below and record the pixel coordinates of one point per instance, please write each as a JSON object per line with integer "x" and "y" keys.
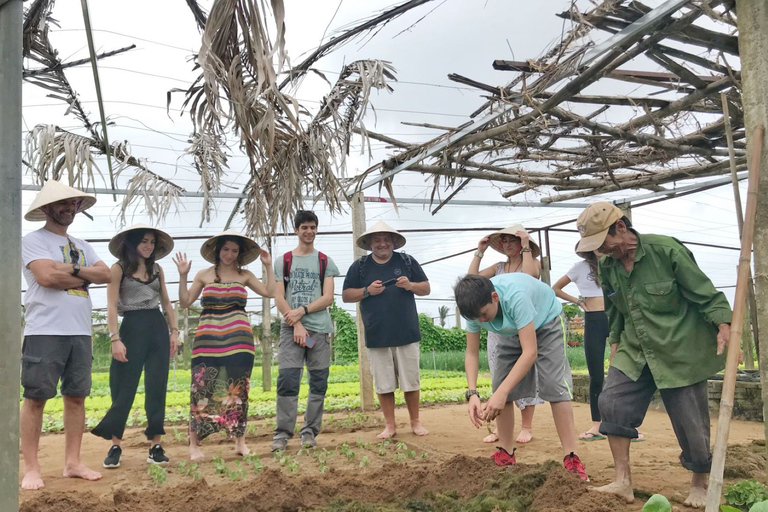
{"x": 251, "y": 253}
{"x": 494, "y": 240}
{"x": 364, "y": 240}
{"x": 163, "y": 241}
{"x": 52, "y": 192}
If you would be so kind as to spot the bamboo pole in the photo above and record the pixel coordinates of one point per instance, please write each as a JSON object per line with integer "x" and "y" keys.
{"x": 732, "y": 360}
{"x": 751, "y": 314}
{"x": 364, "y": 369}
{"x": 11, "y": 22}
{"x": 266, "y": 334}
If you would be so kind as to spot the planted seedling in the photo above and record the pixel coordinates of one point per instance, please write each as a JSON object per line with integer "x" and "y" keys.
{"x": 254, "y": 462}
{"x": 157, "y": 474}
{"x": 219, "y": 466}
{"x": 364, "y": 462}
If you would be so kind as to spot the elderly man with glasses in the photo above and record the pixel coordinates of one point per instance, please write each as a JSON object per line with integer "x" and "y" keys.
{"x": 57, "y": 333}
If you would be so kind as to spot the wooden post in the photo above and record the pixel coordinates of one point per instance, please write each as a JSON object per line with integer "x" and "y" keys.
{"x": 458, "y": 318}
{"x": 266, "y": 333}
{"x": 732, "y": 360}
{"x": 753, "y": 39}
{"x": 746, "y": 340}
{"x": 11, "y": 22}
{"x": 546, "y": 264}
{"x": 366, "y": 379}
{"x": 626, "y": 209}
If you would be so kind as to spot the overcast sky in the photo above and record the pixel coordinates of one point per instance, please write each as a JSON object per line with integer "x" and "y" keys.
{"x": 456, "y": 36}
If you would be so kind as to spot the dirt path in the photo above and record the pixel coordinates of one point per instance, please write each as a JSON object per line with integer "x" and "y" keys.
{"x": 421, "y": 466}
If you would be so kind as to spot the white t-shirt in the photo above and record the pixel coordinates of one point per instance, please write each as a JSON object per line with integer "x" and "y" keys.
{"x": 581, "y": 275}
{"x": 49, "y": 311}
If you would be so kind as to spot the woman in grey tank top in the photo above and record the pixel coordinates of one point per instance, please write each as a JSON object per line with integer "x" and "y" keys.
{"x": 145, "y": 340}
{"x": 521, "y": 252}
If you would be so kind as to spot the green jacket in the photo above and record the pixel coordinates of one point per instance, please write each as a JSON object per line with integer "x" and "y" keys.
{"x": 664, "y": 313}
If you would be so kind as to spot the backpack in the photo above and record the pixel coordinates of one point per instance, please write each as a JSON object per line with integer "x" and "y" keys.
{"x": 322, "y": 261}
{"x": 406, "y": 259}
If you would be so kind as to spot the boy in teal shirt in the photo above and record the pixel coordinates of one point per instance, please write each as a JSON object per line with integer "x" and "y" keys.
{"x": 526, "y": 310}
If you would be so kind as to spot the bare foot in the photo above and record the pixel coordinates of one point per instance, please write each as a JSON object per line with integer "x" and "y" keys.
{"x": 32, "y": 481}
{"x": 195, "y": 453}
{"x": 697, "y": 497}
{"x": 491, "y": 438}
{"x": 418, "y": 429}
{"x": 525, "y": 436}
{"x": 80, "y": 471}
{"x": 241, "y": 448}
{"x": 619, "y": 489}
{"x": 387, "y": 433}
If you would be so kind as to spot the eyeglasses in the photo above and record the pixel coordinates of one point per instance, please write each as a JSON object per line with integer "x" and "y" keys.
{"x": 508, "y": 239}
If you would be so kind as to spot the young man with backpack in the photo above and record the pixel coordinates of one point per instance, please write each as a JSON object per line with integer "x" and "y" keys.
{"x": 304, "y": 291}
{"x": 385, "y": 283}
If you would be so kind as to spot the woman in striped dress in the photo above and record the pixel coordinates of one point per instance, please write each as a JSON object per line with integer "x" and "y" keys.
{"x": 223, "y": 350}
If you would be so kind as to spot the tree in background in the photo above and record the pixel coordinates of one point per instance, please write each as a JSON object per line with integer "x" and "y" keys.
{"x": 443, "y": 312}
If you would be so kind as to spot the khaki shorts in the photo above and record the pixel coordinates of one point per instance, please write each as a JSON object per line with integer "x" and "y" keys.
{"x": 394, "y": 367}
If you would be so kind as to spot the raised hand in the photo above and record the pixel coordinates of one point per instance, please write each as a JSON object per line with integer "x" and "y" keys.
{"x": 265, "y": 257}
{"x": 482, "y": 245}
{"x": 525, "y": 238}
{"x": 182, "y": 263}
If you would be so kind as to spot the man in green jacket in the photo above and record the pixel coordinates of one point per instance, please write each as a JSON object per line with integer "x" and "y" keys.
{"x": 669, "y": 327}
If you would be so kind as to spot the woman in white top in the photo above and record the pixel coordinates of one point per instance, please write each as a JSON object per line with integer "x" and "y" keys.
{"x": 584, "y": 275}
{"x": 515, "y": 243}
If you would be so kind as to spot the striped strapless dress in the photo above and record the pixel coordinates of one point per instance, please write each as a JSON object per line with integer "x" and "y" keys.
{"x": 222, "y": 360}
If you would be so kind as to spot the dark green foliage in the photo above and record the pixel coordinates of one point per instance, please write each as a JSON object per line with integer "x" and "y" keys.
{"x": 432, "y": 336}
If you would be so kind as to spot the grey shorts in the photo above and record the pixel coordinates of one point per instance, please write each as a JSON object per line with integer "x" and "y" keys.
{"x": 394, "y": 367}
{"x": 292, "y": 355}
{"x": 46, "y": 359}
{"x": 551, "y": 370}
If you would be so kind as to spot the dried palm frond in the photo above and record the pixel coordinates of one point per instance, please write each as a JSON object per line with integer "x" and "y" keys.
{"x": 291, "y": 154}
{"x": 54, "y": 153}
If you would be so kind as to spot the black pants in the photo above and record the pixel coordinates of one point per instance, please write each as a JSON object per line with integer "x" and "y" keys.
{"x": 624, "y": 402}
{"x": 148, "y": 348}
{"x": 595, "y": 334}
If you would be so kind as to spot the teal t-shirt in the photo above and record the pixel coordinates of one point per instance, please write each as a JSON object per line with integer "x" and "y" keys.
{"x": 523, "y": 299}
{"x": 304, "y": 287}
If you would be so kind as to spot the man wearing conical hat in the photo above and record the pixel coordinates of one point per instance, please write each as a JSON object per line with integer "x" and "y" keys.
{"x": 385, "y": 283}
{"x": 668, "y": 329}
{"x": 57, "y": 333}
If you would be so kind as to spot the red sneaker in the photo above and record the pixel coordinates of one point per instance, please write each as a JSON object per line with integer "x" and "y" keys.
{"x": 573, "y": 464}
{"x": 503, "y": 458}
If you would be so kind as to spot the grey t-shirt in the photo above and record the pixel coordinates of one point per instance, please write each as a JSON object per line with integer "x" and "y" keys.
{"x": 304, "y": 287}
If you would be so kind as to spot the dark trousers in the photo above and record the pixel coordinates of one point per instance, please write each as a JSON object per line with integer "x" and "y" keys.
{"x": 624, "y": 402}
{"x": 595, "y": 334}
{"x": 148, "y": 347}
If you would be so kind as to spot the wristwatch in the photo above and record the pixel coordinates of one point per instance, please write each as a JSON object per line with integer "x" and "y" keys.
{"x": 75, "y": 269}
{"x": 471, "y": 392}
{"x": 366, "y": 293}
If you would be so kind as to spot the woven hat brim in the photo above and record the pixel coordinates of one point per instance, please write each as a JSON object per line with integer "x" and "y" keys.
{"x": 163, "y": 241}
{"x": 37, "y": 214}
{"x": 251, "y": 254}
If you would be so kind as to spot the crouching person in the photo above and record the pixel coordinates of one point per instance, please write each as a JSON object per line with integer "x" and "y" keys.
{"x": 526, "y": 312}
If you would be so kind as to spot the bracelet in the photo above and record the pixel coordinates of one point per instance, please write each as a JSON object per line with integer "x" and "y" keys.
{"x": 173, "y": 330}
{"x": 479, "y": 254}
{"x": 306, "y": 310}
{"x": 525, "y": 249}
{"x": 115, "y": 340}
{"x": 113, "y": 334}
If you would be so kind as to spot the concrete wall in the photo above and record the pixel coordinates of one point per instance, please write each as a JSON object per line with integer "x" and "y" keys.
{"x": 747, "y": 403}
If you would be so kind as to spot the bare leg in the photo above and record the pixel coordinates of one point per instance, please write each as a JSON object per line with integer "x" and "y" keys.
{"x": 697, "y": 497}
{"x": 492, "y": 437}
{"x": 74, "y": 425}
{"x": 195, "y": 453}
{"x": 526, "y": 425}
{"x": 118, "y": 442}
{"x": 31, "y": 426}
{"x": 594, "y": 430}
{"x": 562, "y": 414}
{"x": 412, "y": 402}
{"x": 505, "y": 422}
{"x": 155, "y": 440}
{"x": 387, "y": 401}
{"x": 240, "y": 447}
{"x": 622, "y": 483}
